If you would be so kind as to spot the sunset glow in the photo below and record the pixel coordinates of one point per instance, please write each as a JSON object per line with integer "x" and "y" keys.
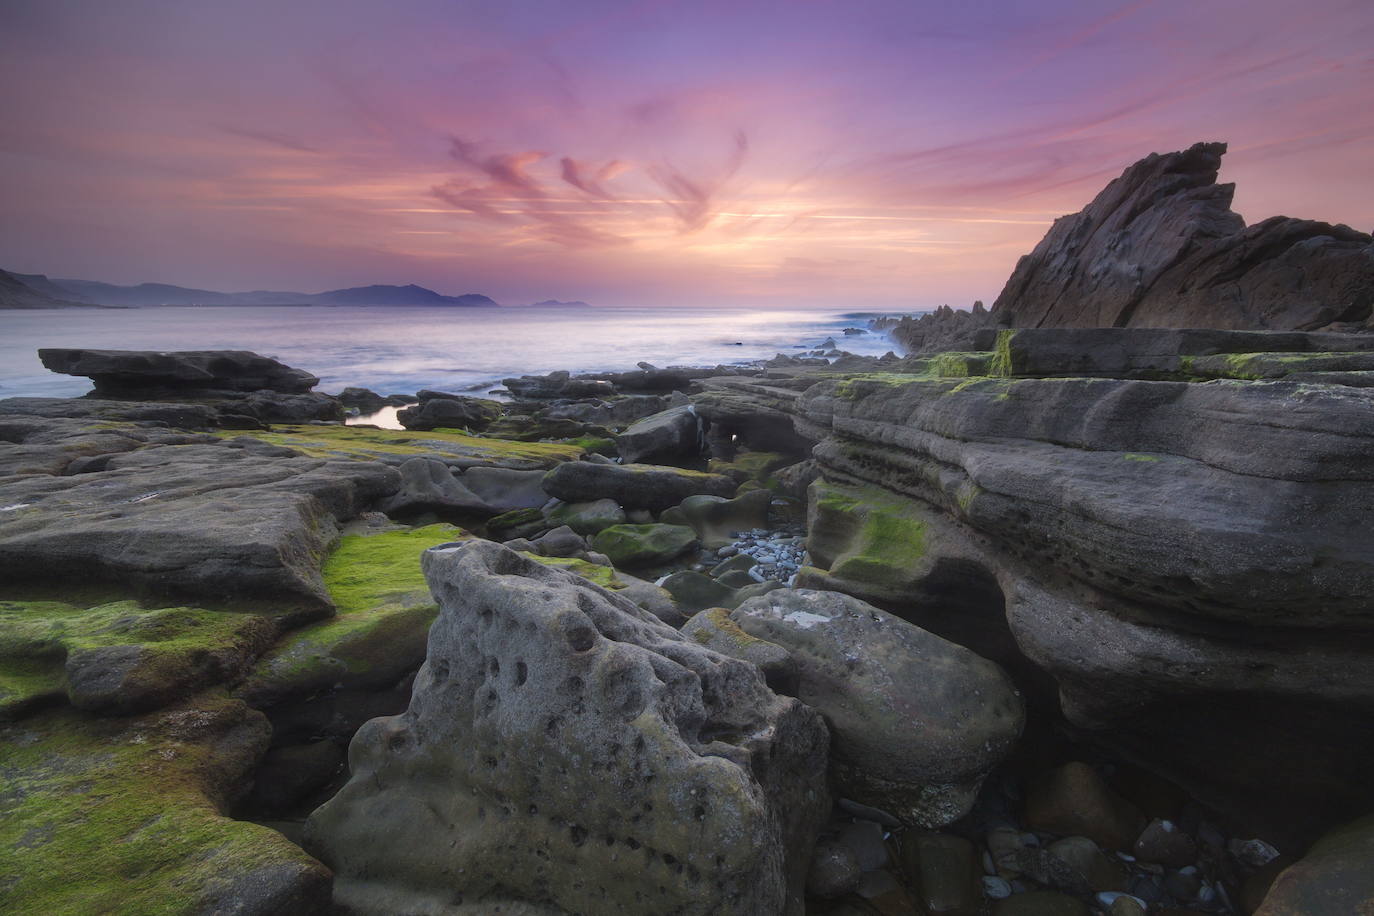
{"x": 891, "y": 155}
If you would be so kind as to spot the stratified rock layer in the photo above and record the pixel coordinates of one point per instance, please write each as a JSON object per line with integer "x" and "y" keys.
{"x": 1183, "y": 549}
{"x": 224, "y": 370}
{"x": 566, "y": 752}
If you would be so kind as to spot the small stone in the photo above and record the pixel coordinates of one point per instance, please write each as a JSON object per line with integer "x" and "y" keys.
{"x": 1097, "y": 871}
{"x": 1162, "y": 842}
{"x": 1254, "y": 853}
{"x": 1184, "y": 886}
{"x": 944, "y": 867}
{"x": 996, "y": 888}
{"x": 1108, "y": 899}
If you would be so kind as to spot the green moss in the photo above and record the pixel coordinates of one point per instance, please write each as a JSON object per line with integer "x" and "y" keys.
{"x": 725, "y": 625}
{"x": 39, "y": 637}
{"x": 1132, "y": 456}
{"x": 750, "y": 466}
{"x": 362, "y": 442}
{"x": 115, "y": 815}
{"x": 594, "y": 445}
{"x": 874, "y": 537}
{"x": 1001, "y": 365}
{"x": 384, "y": 611}
{"x": 854, "y": 387}
{"x": 960, "y": 365}
{"x": 603, "y": 576}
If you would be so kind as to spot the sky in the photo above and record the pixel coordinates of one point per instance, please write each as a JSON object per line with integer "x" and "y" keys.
{"x": 895, "y": 154}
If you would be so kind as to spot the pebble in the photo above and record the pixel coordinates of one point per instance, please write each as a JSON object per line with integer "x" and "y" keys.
{"x": 996, "y": 887}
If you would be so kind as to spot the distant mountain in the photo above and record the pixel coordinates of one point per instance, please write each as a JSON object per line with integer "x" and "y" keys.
{"x": 93, "y": 292}
{"x": 560, "y": 304}
{"x": 16, "y": 294}
{"x": 398, "y": 295}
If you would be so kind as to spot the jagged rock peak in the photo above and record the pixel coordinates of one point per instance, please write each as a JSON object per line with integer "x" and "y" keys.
{"x": 1161, "y": 247}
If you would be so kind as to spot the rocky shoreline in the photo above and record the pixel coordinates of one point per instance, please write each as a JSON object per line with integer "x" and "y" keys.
{"x": 1067, "y": 620}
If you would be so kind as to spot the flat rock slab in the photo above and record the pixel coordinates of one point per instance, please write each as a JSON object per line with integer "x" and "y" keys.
{"x": 209, "y": 521}
{"x": 566, "y": 751}
{"x": 232, "y": 370}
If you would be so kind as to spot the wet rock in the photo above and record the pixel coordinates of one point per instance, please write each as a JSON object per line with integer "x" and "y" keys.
{"x": 634, "y": 486}
{"x": 902, "y": 739}
{"x": 1093, "y": 871}
{"x": 506, "y": 489}
{"x": 1074, "y": 800}
{"x": 1163, "y": 843}
{"x": 694, "y": 591}
{"x": 557, "y": 742}
{"x": 643, "y": 545}
{"x": 714, "y": 629}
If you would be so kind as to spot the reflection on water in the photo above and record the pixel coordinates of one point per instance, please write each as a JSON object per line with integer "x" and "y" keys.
{"x": 385, "y": 418}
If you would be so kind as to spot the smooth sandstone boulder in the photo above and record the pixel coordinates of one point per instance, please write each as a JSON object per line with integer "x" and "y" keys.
{"x": 449, "y": 411}
{"x": 588, "y": 517}
{"x": 716, "y": 519}
{"x": 565, "y": 751}
{"x": 429, "y": 485}
{"x": 1334, "y": 877}
{"x": 916, "y": 722}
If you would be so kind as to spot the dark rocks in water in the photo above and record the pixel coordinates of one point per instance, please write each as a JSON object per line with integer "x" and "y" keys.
{"x": 557, "y": 385}
{"x": 115, "y": 371}
{"x": 438, "y": 410}
{"x": 634, "y": 486}
{"x": 369, "y": 401}
{"x": 547, "y": 711}
{"x": 1160, "y": 247}
{"x": 942, "y": 330}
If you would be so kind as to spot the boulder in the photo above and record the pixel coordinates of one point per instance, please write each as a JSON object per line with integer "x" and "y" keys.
{"x": 588, "y": 517}
{"x": 673, "y": 434}
{"x": 1334, "y": 877}
{"x": 429, "y": 485}
{"x": 1160, "y": 247}
{"x": 564, "y": 751}
{"x": 504, "y": 489}
{"x": 634, "y": 486}
{"x": 449, "y": 411}
{"x": 916, "y": 722}
{"x": 643, "y": 545}
{"x": 694, "y": 591}
{"x": 189, "y": 370}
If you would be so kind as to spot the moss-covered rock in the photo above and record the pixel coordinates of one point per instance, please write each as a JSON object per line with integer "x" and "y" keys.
{"x": 644, "y": 545}
{"x": 588, "y": 517}
{"x": 115, "y": 815}
{"x": 517, "y": 523}
{"x": 747, "y": 466}
{"x": 384, "y": 613}
{"x": 869, "y": 538}
{"x": 603, "y": 576}
{"x": 388, "y": 444}
{"x": 119, "y": 656}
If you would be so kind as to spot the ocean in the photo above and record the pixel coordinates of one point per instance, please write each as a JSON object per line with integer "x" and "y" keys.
{"x": 401, "y": 350}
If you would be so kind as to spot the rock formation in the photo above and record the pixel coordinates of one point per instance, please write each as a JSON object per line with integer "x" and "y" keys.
{"x": 566, "y": 752}
{"x": 1160, "y": 247}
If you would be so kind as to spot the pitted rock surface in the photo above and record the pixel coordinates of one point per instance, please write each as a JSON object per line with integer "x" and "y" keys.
{"x": 565, "y": 750}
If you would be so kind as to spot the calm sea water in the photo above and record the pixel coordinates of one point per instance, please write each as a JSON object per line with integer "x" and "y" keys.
{"x": 402, "y": 350}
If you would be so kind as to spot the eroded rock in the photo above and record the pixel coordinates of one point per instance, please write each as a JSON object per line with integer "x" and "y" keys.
{"x": 565, "y": 749}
